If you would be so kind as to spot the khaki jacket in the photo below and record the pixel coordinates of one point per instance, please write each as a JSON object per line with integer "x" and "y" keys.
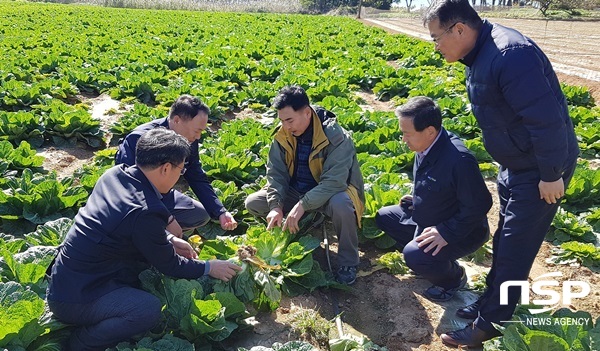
{"x": 332, "y": 162}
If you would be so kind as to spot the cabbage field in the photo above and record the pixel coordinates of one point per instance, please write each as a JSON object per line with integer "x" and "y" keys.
{"x": 56, "y": 59}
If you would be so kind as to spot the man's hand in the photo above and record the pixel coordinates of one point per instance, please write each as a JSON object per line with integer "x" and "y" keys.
{"x": 551, "y": 192}
{"x": 432, "y": 238}
{"x": 274, "y": 218}
{"x": 174, "y": 227}
{"x": 223, "y": 270}
{"x": 293, "y": 218}
{"x": 227, "y": 221}
{"x": 183, "y": 248}
{"x": 406, "y": 200}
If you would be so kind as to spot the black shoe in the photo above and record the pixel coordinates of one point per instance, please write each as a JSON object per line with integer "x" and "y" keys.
{"x": 346, "y": 275}
{"x": 469, "y": 312}
{"x": 470, "y": 336}
{"x": 439, "y": 294}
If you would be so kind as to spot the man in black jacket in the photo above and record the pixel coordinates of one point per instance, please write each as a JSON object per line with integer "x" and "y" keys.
{"x": 522, "y": 111}
{"x": 121, "y": 231}
{"x": 445, "y": 217}
{"x": 188, "y": 117}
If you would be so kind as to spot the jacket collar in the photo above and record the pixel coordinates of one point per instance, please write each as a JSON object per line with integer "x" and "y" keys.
{"x": 137, "y": 174}
{"x": 308, "y": 133}
{"x": 319, "y": 139}
{"x": 436, "y": 149}
{"x": 163, "y": 122}
{"x": 484, "y": 33}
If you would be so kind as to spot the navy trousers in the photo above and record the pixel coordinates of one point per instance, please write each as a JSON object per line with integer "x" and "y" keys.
{"x": 108, "y": 320}
{"x": 523, "y": 223}
{"x": 442, "y": 269}
{"x": 188, "y": 212}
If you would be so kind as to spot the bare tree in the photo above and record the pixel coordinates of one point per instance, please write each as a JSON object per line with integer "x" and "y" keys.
{"x": 544, "y": 5}
{"x": 408, "y": 4}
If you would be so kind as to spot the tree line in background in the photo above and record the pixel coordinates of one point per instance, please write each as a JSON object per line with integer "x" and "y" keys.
{"x": 323, "y": 6}
{"x": 571, "y": 6}
{"x": 543, "y": 5}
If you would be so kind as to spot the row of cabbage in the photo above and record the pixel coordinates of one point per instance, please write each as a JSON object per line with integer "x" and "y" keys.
{"x": 232, "y": 61}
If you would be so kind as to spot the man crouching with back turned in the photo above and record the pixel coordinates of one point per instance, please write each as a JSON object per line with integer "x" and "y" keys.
{"x": 121, "y": 231}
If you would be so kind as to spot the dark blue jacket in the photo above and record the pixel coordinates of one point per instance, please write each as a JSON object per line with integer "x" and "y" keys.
{"x": 519, "y": 105}
{"x": 449, "y": 192}
{"x": 194, "y": 175}
{"x": 119, "y": 232}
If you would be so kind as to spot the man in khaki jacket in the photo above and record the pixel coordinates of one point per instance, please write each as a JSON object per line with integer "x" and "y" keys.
{"x": 312, "y": 166}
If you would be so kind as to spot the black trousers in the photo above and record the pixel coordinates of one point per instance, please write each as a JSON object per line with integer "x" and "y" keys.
{"x": 108, "y": 320}
{"x": 189, "y": 213}
{"x": 523, "y": 223}
{"x": 442, "y": 269}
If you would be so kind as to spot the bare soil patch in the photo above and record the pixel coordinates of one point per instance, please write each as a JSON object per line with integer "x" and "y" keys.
{"x": 388, "y": 309}
{"x": 370, "y": 103}
{"x": 65, "y": 161}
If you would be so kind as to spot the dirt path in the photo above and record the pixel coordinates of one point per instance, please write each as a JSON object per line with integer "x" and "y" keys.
{"x": 573, "y": 47}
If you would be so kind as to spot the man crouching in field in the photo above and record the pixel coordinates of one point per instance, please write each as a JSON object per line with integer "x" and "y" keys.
{"x": 121, "y": 231}
{"x": 312, "y": 166}
{"x": 446, "y": 216}
{"x": 188, "y": 117}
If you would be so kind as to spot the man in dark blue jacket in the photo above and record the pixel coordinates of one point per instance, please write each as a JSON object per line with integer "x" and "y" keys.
{"x": 445, "y": 217}
{"x": 121, "y": 231}
{"x": 522, "y": 111}
{"x": 188, "y": 117}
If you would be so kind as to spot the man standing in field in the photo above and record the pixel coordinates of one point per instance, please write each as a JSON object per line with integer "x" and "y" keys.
{"x": 312, "y": 166}
{"x": 445, "y": 218}
{"x": 188, "y": 117}
{"x": 522, "y": 112}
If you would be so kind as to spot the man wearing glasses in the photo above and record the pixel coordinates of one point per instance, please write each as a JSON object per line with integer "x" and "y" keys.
{"x": 522, "y": 112}
{"x": 94, "y": 284}
{"x": 188, "y": 117}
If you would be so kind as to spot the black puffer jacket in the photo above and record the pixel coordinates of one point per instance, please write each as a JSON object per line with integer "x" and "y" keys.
{"x": 518, "y": 103}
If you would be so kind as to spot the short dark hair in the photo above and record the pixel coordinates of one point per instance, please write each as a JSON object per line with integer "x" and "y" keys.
{"x": 159, "y": 146}
{"x": 188, "y": 107}
{"x": 448, "y": 12}
{"x": 423, "y": 111}
{"x": 293, "y": 96}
